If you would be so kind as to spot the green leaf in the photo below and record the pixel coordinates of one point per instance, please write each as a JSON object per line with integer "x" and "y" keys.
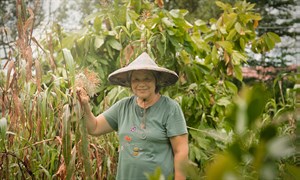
{"x": 71, "y": 165}
{"x": 202, "y": 25}
{"x": 250, "y": 7}
{"x": 226, "y": 45}
{"x": 70, "y": 64}
{"x": 214, "y": 55}
{"x": 97, "y": 24}
{"x": 231, "y": 34}
{"x": 3, "y": 129}
{"x": 92, "y": 17}
{"x": 99, "y": 41}
{"x": 223, "y": 30}
{"x": 238, "y": 72}
{"x": 231, "y": 86}
{"x": 115, "y": 44}
{"x": 269, "y": 42}
{"x": 68, "y": 41}
{"x": 167, "y": 22}
{"x": 293, "y": 170}
{"x": 200, "y": 22}
{"x": 222, "y": 5}
{"x": 177, "y": 13}
{"x": 274, "y": 37}
{"x": 230, "y": 20}
{"x": 238, "y": 27}
{"x": 66, "y": 139}
{"x": 224, "y": 101}
{"x": 157, "y": 174}
{"x": 242, "y": 43}
{"x": 257, "y": 100}
{"x": 85, "y": 149}
{"x": 238, "y": 57}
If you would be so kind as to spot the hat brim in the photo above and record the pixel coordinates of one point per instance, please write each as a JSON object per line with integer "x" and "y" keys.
{"x": 121, "y": 76}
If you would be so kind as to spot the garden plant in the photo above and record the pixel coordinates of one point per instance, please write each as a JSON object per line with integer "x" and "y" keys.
{"x": 236, "y": 130}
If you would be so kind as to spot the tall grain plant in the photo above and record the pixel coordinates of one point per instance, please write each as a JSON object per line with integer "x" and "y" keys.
{"x": 43, "y": 135}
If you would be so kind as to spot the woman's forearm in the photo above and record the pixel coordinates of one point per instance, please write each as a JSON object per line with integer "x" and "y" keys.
{"x": 180, "y": 160}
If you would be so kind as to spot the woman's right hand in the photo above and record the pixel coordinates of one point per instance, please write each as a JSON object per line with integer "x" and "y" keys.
{"x": 82, "y": 96}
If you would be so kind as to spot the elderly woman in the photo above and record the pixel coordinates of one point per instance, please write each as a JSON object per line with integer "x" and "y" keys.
{"x": 151, "y": 127}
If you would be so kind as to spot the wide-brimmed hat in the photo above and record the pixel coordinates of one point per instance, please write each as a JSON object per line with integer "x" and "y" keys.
{"x": 165, "y": 77}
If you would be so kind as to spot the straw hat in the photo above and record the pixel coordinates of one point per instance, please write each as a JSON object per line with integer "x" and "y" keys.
{"x": 121, "y": 76}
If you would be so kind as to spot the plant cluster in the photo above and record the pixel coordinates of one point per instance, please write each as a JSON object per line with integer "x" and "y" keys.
{"x": 235, "y": 131}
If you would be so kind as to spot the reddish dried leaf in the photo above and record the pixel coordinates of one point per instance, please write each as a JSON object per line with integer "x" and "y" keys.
{"x": 255, "y": 24}
{"x": 230, "y": 70}
{"x": 29, "y": 22}
{"x": 226, "y": 57}
{"x": 62, "y": 171}
{"x": 11, "y": 65}
{"x": 16, "y": 104}
{"x": 39, "y": 127}
{"x": 28, "y": 57}
{"x": 160, "y": 3}
{"x": 128, "y": 52}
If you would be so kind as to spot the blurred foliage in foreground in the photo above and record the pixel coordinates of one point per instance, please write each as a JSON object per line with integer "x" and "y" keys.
{"x": 235, "y": 130}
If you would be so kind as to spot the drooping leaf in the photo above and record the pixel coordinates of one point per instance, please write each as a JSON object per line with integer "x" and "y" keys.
{"x": 270, "y": 44}
{"x": 70, "y": 65}
{"x": 274, "y": 37}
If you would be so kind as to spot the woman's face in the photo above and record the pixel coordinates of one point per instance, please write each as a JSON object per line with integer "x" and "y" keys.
{"x": 143, "y": 84}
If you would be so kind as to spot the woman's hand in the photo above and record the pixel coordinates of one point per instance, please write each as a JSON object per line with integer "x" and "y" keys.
{"x": 82, "y": 96}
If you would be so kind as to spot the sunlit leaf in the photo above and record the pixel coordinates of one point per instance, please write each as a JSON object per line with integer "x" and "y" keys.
{"x": 238, "y": 27}
{"x": 99, "y": 41}
{"x": 176, "y": 13}
{"x": 167, "y": 22}
{"x": 224, "y": 101}
{"x": 226, "y": 45}
{"x": 222, "y": 5}
{"x": 238, "y": 58}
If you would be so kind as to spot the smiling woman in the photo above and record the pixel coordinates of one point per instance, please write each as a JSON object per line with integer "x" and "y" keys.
{"x": 143, "y": 85}
{"x": 151, "y": 128}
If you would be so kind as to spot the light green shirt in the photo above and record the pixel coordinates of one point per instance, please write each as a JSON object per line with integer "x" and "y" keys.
{"x": 143, "y": 150}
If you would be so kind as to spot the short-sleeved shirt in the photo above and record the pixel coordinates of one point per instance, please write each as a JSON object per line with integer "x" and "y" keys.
{"x": 142, "y": 150}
